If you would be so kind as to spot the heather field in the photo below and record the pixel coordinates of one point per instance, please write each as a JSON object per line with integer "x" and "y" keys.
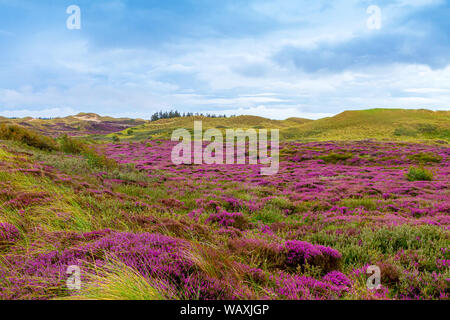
{"x": 140, "y": 227}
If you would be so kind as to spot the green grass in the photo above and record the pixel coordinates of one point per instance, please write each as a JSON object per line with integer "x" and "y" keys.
{"x": 116, "y": 281}
{"x": 380, "y": 124}
{"x": 73, "y": 208}
{"x": 419, "y": 174}
{"x": 426, "y": 157}
{"x": 336, "y": 157}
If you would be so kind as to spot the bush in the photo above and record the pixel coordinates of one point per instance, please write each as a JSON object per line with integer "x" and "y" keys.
{"x": 335, "y": 157}
{"x": 8, "y": 233}
{"x": 130, "y": 132}
{"x": 28, "y": 137}
{"x": 390, "y": 240}
{"x": 97, "y": 160}
{"x": 94, "y": 159}
{"x": 258, "y": 251}
{"x": 405, "y": 132}
{"x": 419, "y": 174}
{"x": 229, "y": 219}
{"x": 299, "y": 253}
{"x": 70, "y": 145}
{"x": 427, "y": 128}
{"x": 389, "y": 273}
{"x": 425, "y": 157}
{"x": 115, "y": 138}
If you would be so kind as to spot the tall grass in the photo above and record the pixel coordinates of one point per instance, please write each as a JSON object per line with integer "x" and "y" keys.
{"x": 94, "y": 158}
{"x": 117, "y": 281}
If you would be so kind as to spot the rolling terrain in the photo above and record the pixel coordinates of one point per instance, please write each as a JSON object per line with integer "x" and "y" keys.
{"x": 81, "y": 124}
{"x": 379, "y": 124}
{"x": 140, "y": 227}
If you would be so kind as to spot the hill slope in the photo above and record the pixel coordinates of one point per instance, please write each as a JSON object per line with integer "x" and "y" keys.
{"x": 162, "y": 129}
{"x": 79, "y": 125}
{"x": 380, "y": 124}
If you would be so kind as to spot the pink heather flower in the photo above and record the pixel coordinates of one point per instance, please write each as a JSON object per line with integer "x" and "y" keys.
{"x": 8, "y": 233}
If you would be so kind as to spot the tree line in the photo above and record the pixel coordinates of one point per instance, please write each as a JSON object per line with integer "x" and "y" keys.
{"x": 176, "y": 114}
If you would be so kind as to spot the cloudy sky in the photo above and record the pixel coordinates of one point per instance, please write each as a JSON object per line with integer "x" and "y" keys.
{"x": 271, "y": 58}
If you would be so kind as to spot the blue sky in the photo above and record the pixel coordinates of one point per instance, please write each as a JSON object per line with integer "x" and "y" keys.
{"x": 270, "y": 58}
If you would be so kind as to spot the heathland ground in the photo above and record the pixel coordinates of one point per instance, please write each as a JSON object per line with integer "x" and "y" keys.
{"x": 358, "y": 189}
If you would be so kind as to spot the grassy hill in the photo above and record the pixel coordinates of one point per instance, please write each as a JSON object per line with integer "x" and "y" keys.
{"x": 79, "y": 125}
{"x": 379, "y": 124}
{"x": 162, "y": 129}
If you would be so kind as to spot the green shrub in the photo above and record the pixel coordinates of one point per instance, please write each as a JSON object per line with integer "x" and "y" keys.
{"x": 94, "y": 159}
{"x": 419, "y": 174}
{"x": 130, "y": 132}
{"x": 115, "y": 138}
{"x": 367, "y": 203}
{"x": 427, "y": 128}
{"x": 425, "y": 157}
{"x": 70, "y": 145}
{"x": 391, "y": 240}
{"x": 98, "y": 160}
{"x": 28, "y": 137}
{"x": 335, "y": 157}
{"x": 405, "y": 132}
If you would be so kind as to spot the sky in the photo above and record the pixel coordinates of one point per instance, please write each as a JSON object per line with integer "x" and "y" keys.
{"x": 276, "y": 59}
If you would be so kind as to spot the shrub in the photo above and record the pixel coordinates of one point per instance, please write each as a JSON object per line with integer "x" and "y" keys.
{"x": 299, "y": 253}
{"x": 405, "y": 132}
{"x": 130, "y": 132}
{"x": 70, "y": 145}
{"x": 262, "y": 251}
{"x": 8, "y": 233}
{"x": 419, "y": 174}
{"x": 427, "y": 128}
{"x": 28, "y": 137}
{"x": 229, "y": 219}
{"x": 94, "y": 159}
{"x": 115, "y": 138}
{"x": 336, "y": 157}
{"x": 337, "y": 278}
{"x": 97, "y": 160}
{"x": 425, "y": 157}
{"x": 389, "y": 273}
{"x": 388, "y": 240}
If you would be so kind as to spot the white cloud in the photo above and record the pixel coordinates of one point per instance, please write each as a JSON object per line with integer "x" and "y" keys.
{"x": 41, "y": 113}
{"x": 427, "y": 90}
{"x": 231, "y": 75}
